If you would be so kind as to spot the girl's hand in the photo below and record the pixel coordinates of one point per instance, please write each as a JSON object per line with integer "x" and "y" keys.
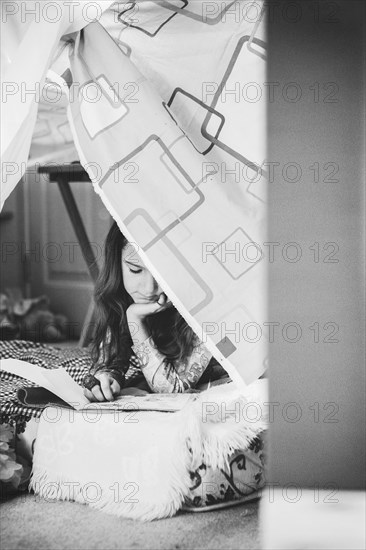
{"x": 138, "y": 312}
{"x": 107, "y": 390}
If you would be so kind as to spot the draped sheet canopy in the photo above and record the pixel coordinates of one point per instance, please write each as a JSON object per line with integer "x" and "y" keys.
{"x": 163, "y": 103}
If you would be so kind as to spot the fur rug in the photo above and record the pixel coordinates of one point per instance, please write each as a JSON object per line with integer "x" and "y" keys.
{"x": 138, "y": 464}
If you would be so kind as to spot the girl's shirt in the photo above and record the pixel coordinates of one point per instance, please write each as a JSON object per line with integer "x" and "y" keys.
{"x": 164, "y": 377}
{"x": 160, "y": 375}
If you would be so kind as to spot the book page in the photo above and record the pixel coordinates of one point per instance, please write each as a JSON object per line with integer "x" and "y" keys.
{"x": 58, "y": 381}
{"x": 166, "y": 402}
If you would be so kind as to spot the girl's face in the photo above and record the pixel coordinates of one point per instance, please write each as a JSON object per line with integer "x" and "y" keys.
{"x": 137, "y": 279}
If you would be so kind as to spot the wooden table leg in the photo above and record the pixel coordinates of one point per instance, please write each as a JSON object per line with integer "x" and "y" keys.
{"x": 79, "y": 227}
{"x": 86, "y": 249}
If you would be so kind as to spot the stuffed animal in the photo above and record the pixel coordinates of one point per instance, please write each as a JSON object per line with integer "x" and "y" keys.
{"x": 30, "y": 319}
{"x": 8, "y": 328}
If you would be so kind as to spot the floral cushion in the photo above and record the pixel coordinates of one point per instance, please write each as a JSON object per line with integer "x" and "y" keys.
{"x": 243, "y": 476}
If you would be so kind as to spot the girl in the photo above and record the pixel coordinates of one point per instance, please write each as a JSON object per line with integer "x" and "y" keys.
{"x": 138, "y": 325}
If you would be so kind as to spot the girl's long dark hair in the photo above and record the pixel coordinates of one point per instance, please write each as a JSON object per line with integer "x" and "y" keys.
{"x": 172, "y": 336}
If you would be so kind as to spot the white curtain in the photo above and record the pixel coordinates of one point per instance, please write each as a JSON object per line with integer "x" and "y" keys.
{"x": 163, "y": 102}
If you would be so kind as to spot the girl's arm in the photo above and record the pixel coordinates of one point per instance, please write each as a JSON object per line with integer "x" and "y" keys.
{"x": 169, "y": 378}
{"x": 99, "y": 366}
{"x": 111, "y": 379}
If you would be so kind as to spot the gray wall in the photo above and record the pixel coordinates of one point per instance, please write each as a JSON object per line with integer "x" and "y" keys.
{"x": 321, "y": 438}
{"x": 11, "y": 238}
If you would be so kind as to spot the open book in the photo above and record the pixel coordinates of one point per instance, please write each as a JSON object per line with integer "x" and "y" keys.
{"x": 59, "y": 382}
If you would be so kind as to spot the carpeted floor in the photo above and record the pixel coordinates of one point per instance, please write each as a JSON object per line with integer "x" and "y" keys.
{"x": 30, "y": 523}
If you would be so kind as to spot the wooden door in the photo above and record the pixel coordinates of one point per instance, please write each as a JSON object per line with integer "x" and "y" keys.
{"x": 55, "y": 265}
